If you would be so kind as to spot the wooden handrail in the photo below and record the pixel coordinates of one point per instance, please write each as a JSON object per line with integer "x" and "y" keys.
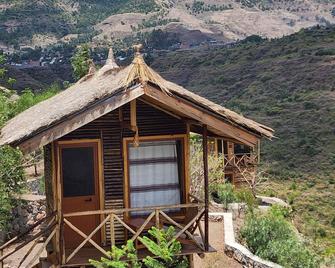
{"x": 34, "y": 237}
{"x": 112, "y": 218}
{"x": 196, "y": 198}
{"x": 39, "y": 222}
{"x": 125, "y": 210}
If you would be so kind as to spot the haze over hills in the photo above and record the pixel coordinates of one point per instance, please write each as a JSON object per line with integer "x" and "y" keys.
{"x": 42, "y": 22}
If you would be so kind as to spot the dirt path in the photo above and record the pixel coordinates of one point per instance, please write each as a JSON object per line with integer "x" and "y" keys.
{"x": 218, "y": 259}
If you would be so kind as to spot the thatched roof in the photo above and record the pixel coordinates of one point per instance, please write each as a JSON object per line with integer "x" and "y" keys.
{"x": 104, "y": 84}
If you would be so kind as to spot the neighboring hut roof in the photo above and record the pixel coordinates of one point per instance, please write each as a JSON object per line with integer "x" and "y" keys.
{"x": 102, "y": 84}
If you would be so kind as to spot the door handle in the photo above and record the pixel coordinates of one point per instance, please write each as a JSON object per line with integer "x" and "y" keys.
{"x": 88, "y": 199}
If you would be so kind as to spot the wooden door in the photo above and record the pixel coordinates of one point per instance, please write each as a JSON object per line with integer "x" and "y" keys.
{"x": 80, "y": 188}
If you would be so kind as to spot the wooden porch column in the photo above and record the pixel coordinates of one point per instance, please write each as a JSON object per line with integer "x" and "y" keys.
{"x": 205, "y": 160}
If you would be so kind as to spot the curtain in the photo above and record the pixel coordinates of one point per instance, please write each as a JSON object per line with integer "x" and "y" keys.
{"x": 153, "y": 174}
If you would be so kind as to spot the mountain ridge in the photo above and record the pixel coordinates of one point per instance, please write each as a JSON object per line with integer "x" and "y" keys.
{"x": 43, "y": 22}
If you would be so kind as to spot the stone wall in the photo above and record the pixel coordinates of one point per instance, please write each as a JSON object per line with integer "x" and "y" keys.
{"x": 31, "y": 209}
{"x": 236, "y": 250}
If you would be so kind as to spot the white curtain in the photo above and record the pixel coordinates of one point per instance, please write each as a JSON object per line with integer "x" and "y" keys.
{"x": 153, "y": 174}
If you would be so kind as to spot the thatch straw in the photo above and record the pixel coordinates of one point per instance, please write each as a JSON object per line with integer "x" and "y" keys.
{"x": 103, "y": 84}
{"x": 141, "y": 72}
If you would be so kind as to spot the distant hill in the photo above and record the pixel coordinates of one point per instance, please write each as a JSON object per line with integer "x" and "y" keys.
{"x": 286, "y": 83}
{"x": 41, "y": 22}
{"x": 37, "y": 78}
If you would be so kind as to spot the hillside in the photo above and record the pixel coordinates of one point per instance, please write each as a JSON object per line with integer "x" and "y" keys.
{"x": 43, "y": 22}
{"x": 287, "y": 83}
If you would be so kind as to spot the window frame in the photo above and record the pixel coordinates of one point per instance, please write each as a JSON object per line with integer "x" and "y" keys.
{"x": 185, "y": 179}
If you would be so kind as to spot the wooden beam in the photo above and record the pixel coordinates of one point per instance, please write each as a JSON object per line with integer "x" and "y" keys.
{"x": 187, "y": 163}
{"x": 205, "y": 160}
{"x": 214, "y": 124}
{"x": 133, "y": 115}
{"x": 161, "y": 109}
{"x": 124, "y": 210}
{"x": 39, "y": 252}
{"x": 81, "y": 119}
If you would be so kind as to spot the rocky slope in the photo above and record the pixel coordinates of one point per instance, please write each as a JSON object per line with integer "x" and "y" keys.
{"x": 43, "y": 22}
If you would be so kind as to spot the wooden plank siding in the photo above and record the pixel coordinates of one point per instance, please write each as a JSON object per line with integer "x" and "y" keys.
{"x": 111, "y": 129}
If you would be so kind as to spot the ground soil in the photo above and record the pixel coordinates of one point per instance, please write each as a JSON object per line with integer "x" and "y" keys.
{"x": 218, "y": 259}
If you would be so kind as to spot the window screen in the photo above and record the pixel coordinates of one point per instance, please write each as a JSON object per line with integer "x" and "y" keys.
{"x": 78, "y": 171}
{"x": 154, "y": 173}
{"x": 241, "y": 149}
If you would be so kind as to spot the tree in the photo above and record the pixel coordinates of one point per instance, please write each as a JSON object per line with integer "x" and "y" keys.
{"x": 80, "y": 61}
{"x": 11, "y": 160}
{"x": 11, "y": 181}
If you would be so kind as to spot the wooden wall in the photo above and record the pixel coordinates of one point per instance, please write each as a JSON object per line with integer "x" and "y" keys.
{"x": 111, "y": 130}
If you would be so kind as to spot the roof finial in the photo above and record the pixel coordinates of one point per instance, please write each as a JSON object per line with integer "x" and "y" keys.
{"x": 92, "y": 69}
{"x": 110, "y": 60}
{"x": 138, "y": 48}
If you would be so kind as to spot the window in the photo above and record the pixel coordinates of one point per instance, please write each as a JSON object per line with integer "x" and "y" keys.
{"x": 241, "y": 149}
{"x": 78, "y": 171}
{"x": 222, "y": 146}
{"x": 155, "y": 173}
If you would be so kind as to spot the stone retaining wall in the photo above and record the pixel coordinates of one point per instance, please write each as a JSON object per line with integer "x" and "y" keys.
{"x": 236, "y": 250}
{"x": 32, "y": 209}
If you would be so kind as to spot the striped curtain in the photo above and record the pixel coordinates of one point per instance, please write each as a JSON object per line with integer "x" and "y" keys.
{"x": 153, "y": 174}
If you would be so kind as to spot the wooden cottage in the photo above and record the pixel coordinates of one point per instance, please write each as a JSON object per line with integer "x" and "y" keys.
{"x": 116, "y": 148}
{"x": 240, "y": 161}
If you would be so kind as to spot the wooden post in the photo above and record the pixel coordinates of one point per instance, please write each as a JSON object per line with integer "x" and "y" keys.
{"x": 60, "y": 231}
{"x": 157, "y": 218}
{"x": 1, "y": 262}
{"x": 112, "y": 230}
{"x": 205, "y": 160}
{"x": 258, "y": 151}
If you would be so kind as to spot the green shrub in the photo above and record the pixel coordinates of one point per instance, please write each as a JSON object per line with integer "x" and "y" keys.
{"x": 11, "y": 181}
{"x": 226, "y": 194}
{"x": 245, "y": 195}
{"x": 332, "y": 223}
{"x": 123, "y": 257}
{"x": 271, "y": 237}
{"x": 80, "y": 61}
{"x": 293, "y": 186}
{"x": 165, "y": 252}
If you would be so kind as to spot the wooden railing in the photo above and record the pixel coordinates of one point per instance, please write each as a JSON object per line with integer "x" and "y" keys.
{"x": 27, "y": 237}
{"x": 157, "y": 216}
{"x": 240, "y": 160}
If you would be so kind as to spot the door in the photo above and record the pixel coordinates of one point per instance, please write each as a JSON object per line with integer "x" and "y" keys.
{"x": 79, "y": 170}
